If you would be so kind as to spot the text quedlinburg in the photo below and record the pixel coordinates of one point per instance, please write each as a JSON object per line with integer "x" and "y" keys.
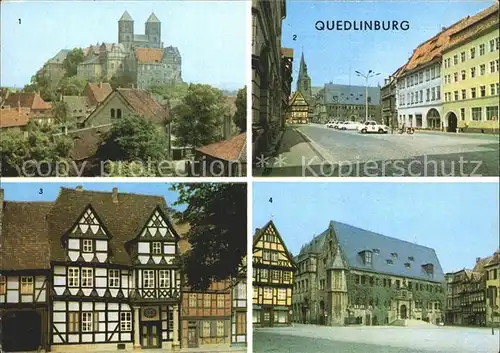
{"x": 376, "y": 25}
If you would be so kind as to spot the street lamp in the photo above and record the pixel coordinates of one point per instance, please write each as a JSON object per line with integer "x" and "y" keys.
{"x": 370, "y": 74}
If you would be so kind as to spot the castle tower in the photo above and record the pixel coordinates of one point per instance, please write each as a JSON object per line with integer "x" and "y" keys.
{"x": 153, "y": 31}
{"x": 337, "y": 298}
{"x": 126, "y": 30}
{"x": 304, "y": 81}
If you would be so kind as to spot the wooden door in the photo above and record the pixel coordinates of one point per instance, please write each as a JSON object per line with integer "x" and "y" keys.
{"x": 151, "y": 335}
{"x": 192, "y": 335}
{"x": 267, "y": 319}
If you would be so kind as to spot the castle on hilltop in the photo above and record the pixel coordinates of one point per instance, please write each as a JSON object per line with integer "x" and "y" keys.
{"x": 141, "y": 58}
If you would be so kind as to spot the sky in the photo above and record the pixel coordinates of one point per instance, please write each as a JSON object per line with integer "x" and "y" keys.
{"x": 45, "y": 191}
{"x": 210, "y": 35}
{"x": 333, "y": 56}
{"x": 458, "y": 220}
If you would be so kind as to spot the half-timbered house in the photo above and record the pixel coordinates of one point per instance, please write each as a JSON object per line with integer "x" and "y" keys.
{"x": 273, "y": 270}
{"x": 110, "y": 261}
{"x": 239, "y": 307}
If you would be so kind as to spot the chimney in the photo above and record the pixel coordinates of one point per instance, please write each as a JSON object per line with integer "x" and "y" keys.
{"x": 79, "y": 188}
{"x": 115, "y": 195}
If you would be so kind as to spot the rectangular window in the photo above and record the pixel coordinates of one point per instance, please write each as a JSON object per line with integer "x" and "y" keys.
{"x": 86, "y": 321}
{"x": 276, "y": 275}
{"x": 125, "y": 322}
{"x": 472, "y": 53}
{"x": 274, "y": 256}
{"x": 492, "y": 89}
{"x": 73, "y": 277}
{"x": 464, "y": 94}
{"x": 492, "y": 66}
{"x": 164, "y": 278}
{"x": 462, "y": 56}
{"x": 87, "y": 277}
{"x": 282, "y": 294}
{"x": 268, "y": 293}
{"x": 220, "y": 301}
{"x": 264, "y": 273}
{"x": 156, "y": 248}
{"x": 192, "y": 300}
{"x": 206, "y": 329}
{"x": 241, "y": 291}
{"x": 206, "y": 301}
{"x": 427, "y": 94}
{"x": 490, "y": 113}
{"x": 476, "y": 114}
{"x": 438, "y": 92}
{"x": 266, "y": 255}
{"x": 492, "y": 45}
{"x": 473, "y": 92}
{"x": 73, "y": 321}
{"x": 114, "y": 278}
{"x": 241, "y": 323}
{"x": 482, "y": 69}
{"x": 481, "y": 49}
{"x": 148, "y": 279}
{"x": 26, "y": 285}
{"x": 472, "y": 72}
{"x": 482, "y": 90}
{"x": 455, "y": 59}
{"x": 3, "y": 284}
{"x": 463, "y": 76}
{"x": 286, "y": 276}
{"x": 455, "y": 76}
{"x": 455, "y": 95}
{"x": 87, "y": 245}
{"x": 220, "y": 328}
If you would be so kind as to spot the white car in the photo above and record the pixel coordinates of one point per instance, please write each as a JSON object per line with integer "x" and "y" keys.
{"x": 337, "y": 124}
{"x": 349, "y": 125}
{"x": 373, "y": 126}
{"x": 330, "y": 124}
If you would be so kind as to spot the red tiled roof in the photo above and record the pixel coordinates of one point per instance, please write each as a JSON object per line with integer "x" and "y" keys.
{"x": 13, "y": 117}
{"x": 30, "y": 100}
{"x": 97, "y": 92}
{"x": 25, "y": 243}
{"x": 143, "y": 103}
{"x": 149, "y": 55}
{"x": 468, "y": 22}
{"x": 233, "y": 149}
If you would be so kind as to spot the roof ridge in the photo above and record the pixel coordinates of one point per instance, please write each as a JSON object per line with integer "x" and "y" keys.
{"x": 110, "y": 192}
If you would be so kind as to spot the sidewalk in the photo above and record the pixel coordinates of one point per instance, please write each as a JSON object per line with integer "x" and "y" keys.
{"x": 459, "y": 134}
{"x": 293, "y": 151}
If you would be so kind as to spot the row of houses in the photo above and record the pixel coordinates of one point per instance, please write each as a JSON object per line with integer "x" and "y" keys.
{"x": 101, "y": 271}
{"x": 347, "y": 275}
{"x": 450, "y": 82}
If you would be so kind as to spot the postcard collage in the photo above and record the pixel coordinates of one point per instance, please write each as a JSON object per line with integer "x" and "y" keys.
{"x": 268, "y": 176}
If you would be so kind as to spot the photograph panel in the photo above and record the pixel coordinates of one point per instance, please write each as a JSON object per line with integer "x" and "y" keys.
{"x": 376, "y": 267}
{"x": 373, "y": 89}
{"x": 123, "y": 266}
{"x": 144, "y": 90}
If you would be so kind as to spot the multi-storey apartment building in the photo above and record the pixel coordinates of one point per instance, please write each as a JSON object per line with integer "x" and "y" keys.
{"x": 349, "y": 275}
{"x": 298, "y": 111}
{"x": 471, "y": 74}
{"x": 273, "y": 276}
{"x": 268, "y": 113}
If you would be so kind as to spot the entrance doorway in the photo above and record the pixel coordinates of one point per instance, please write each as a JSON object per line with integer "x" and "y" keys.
{"x": 403, "y": 312}
{"x": 192, "y": 334}
{"x": 266, "y": 317}
{"x": 22, "y": 331}
{"x": 452, "y": 122}
{"x": 151, "y": 335}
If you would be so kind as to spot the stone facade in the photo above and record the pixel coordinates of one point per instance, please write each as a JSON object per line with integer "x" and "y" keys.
{"x": 268, "y": 113}
{"x": 139, "y": 57}
{"x": 347, "y": 275}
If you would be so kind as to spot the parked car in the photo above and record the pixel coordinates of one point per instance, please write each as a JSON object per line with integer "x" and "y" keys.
{"x": 349, "y": 125}
{"x": 330, "y": 124}
{"x": 337, "y": 124}
{"x": 373, "y": 126}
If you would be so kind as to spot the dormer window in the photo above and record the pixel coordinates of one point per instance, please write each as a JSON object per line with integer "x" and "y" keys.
{"x": 366, "y": 255}
{"x": 407, "y": 265}
{"x": 376, "y": 251}
{"x": 411, "y": 258}
{"x": 429, "y": 269}
{"x": 87, "y": 245}
{"x": 156, "y": 248}
{"x": 394, "y": 255}
{"x": 389, "y": 262}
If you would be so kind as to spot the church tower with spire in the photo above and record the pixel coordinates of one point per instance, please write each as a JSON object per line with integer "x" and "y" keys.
{"x": 153, "y": 31}
{"x": 304, "y": 81}
{"x": 126, "y": 30}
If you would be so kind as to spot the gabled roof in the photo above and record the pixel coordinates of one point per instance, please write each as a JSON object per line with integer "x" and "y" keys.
{"x": 30, "y": 100}
{"x": 297, "y": 95}
{"x": 98, "y": 92}
{"x": 123, "y": 219}
{"x": 14, "y": 117}
{"x": 25, "y": 244}
{"x": 152, "y": 18}
{"x": 77, "y": 105}
{"x": 142, "y": 103}
{"x": 149, "y": 55}
{"x": 259, "y": 232}
{"x": 233, "y": 149}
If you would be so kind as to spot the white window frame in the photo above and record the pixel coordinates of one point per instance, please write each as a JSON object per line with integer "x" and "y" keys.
{"x": 87, "y": 245}
{"x": 220, "y": 328}
{"x": 148, "y": 279}
{"x": 114, "y": 278}
{"x": 205, "y": 331}
{"x": 27, "y": 284}
{"x": 268, "y": 293}
{"x": 241, "y": 291}
{"x": 156, "y": 248}
{"x": 221, "y": 301}
{"x": 87, "y": 277}
{"x": 164, "y": 278}
{"x": 125, "y": 321}
{"x": 73, "y": 277}
{"x": 281, "y": 294}
{"x": 274, "y": 256}
{"x": 87, "y": 323}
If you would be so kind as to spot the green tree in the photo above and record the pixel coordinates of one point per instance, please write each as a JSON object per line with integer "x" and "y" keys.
{"x": 133, "y": 138}
{"x": 240, "y": 116}
{"x": 72, "y": 60}
{"x": 199, "y": 116}
{"x": 60, "y": 111}
{"x": 121, "y": 80}
{"x": 216, "y": 213}
{"x": 40, "y": 83}
{"x": 71, "y": 86}
{"x": 34, "y": 153}
{"x": 171, "y": 93}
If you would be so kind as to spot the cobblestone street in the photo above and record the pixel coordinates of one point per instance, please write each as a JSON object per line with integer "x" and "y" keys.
{"x": 375, "y": 339}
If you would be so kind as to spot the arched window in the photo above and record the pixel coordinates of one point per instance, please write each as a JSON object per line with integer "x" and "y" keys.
{"x": 118, "y": 113}
{"x": 112, "y": 113}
